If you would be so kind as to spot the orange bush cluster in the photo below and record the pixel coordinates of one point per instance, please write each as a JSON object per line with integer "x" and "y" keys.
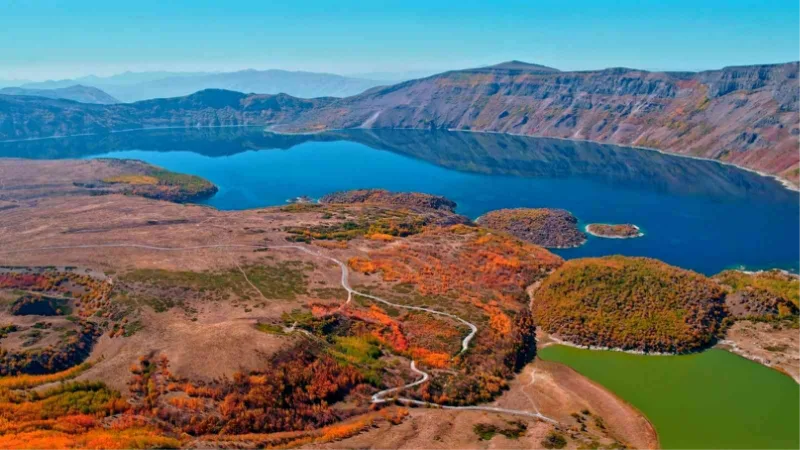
{"x": 439, "y": 360}
{"x": 29, "y": 381}
{"x": 475, "y": 274}
{"x": 481, "y": 263}
{"x": 71, "y": 415}
{"x": 293, "y": 392}
{"x": 390, "y": 331}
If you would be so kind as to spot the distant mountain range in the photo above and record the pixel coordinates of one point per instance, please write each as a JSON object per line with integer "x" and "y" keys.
{"x": 132, "y": 86}
{"x": 745, "y": 115}
{"x": 78, "y": 93}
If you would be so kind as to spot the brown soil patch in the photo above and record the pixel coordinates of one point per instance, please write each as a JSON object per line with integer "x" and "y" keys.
{"x": 563, "y": 394}
{"x": 205, "y": 349}
{"x": 775, "y": 346}
{"x": 439, "y": 429}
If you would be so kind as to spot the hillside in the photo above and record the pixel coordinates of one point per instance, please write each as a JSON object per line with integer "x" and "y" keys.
{"x": 744, "y": 115}
{"x": 78, "y": 93}
{"x": 24, "y": 117}
{"x": 761, "y": 294}
{"x": 629, "y": 303}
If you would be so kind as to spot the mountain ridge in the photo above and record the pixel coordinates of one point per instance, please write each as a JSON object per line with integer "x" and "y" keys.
{"x": 77, "y": 92}
{"x": 745, "y": 115}
{"x": 137, "y": 86}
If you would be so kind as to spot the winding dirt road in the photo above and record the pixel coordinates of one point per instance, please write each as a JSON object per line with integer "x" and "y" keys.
{"x": 379, "y": 397}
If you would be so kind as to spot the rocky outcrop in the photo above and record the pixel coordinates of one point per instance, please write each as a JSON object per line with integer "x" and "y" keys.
{"x": 381, "y": 196}
{"x": 553, "y": 228}
{"x": 760, "y": 295}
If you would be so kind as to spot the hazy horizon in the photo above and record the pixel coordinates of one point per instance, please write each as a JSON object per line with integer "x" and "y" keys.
{"x": 374, "y": 76}
{"x": 55, "y": 40}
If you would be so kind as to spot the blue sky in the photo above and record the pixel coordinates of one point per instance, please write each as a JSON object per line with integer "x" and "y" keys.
{"x": 45, "y": 39}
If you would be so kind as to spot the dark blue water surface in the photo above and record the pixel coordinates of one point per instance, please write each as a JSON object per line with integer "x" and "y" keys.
{"x": 695, "y": 214}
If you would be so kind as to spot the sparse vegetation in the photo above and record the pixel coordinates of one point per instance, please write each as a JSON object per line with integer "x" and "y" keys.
{"x": 769, "y": 295}
{"x": 554, "y": 440}
{"x": 154, "y": 182}
{"x": 271, "y": 328}
{"x": 389, "y": 223}
{"x": 487, "y": 431}
{"x": 283, "y": 280}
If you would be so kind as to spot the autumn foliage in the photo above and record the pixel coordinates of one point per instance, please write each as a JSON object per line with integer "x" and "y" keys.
{"x": 71, "y": 415}
{"x": 474, "y": 274}
{"x": 630, "y": 303}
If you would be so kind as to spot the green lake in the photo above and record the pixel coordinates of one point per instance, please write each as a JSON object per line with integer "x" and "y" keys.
{"x": 713, "y": 399}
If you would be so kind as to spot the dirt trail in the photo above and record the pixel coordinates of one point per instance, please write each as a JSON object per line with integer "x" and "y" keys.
{"x": 379, "y": 397}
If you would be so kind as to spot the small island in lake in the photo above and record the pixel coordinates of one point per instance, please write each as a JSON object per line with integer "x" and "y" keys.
{"x": 614, "y": 231}
{"x": 553, "y": 228}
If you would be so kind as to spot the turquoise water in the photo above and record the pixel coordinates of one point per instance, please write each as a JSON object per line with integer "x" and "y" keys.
{"x": 695, "y": 214}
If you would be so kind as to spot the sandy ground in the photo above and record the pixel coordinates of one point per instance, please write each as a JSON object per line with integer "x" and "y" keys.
{"x": 440, "y": 429}
{"x": 558, "y": 392}
{"x": 760, "y": 342}
{"x": 198, "y": 350}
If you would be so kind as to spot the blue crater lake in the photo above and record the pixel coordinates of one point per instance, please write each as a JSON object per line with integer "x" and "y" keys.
{"x": 695, "y": 214}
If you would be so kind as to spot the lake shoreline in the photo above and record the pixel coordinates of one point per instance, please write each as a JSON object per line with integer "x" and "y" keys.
{"x": 558, "y": 341}
{"x": 783, "y": 182}
{"x": 787, "y": 184}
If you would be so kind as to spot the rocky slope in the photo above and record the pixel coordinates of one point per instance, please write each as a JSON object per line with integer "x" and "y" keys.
{"x": 744, "y": 115}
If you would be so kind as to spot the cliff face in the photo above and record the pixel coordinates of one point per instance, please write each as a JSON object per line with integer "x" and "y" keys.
{"x": 744, "y": 115}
